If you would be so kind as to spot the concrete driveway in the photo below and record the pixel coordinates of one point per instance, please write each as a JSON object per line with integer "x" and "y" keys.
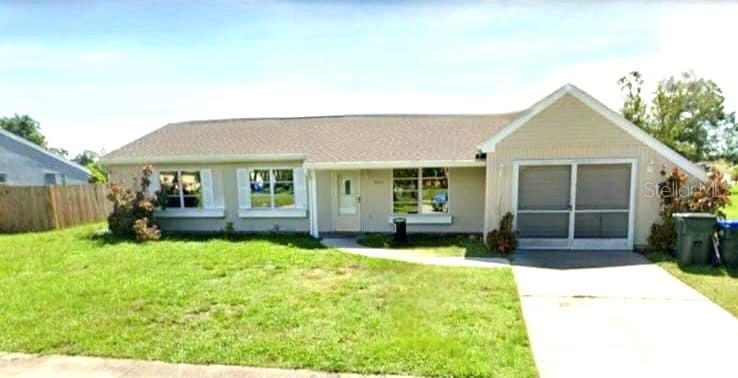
{"x": 614, "y": 314}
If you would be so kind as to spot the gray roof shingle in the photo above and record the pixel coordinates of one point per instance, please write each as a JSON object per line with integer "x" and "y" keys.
{"x": 324, "y": 139}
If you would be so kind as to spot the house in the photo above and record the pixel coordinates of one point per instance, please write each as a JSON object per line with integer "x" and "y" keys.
{"x": 23, "y": 163}
{"x": 574, "y": 173}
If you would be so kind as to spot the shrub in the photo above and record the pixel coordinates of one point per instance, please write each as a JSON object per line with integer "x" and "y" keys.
{"x": 133, "y": 211}
{"x": 677, "y": 196}
{"x": 503, "y": 239}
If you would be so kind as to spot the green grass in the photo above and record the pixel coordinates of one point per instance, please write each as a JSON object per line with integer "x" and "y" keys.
{"x": 430, "y": 244}
{"x": 282, "y": 301}
{"x": 731, "y": 211}
{"x": 716, "y": 283}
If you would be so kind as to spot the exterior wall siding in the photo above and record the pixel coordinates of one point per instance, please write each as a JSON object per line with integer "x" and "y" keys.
{"x": 466, "y": 199}
{"x": 324, "y": 198}
{"x": 568, "y": 129}
{"x": 225, "y": 195}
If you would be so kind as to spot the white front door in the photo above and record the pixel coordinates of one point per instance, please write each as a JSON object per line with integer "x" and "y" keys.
{"x": 347, "y": 217}
{"x": 583, "y": 204}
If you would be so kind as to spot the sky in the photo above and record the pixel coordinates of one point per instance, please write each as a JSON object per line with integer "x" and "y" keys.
{"x": 99, "y": 74}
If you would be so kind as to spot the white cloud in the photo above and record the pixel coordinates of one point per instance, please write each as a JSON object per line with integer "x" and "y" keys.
{"x": 86, "y": 116}
{"x": 699, "y": 38}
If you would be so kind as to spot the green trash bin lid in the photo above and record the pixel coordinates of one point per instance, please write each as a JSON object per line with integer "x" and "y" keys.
{"x": 693, "y": 215}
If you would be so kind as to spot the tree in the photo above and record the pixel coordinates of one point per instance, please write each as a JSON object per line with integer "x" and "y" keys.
{"x": 59, "y": 151}
{"x": 89, "y": 160}
{"x": 25, "y": 127}
{"x": 687, "y": 114}
{"x": 97, "y": 174}
{"x": 86, "y": 157}
{"x": 634, "y": 107}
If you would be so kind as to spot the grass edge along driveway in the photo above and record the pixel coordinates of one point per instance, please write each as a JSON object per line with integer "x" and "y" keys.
{"x": 277, "y": 301}
{"x": 716, "y": 283}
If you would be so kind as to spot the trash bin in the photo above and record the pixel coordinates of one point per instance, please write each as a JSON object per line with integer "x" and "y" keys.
{"x": 728, "y": 232}
{"x": 694, "y": 237}
{"x": 400, "y": 230}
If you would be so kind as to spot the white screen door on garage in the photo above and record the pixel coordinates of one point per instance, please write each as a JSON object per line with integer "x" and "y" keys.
{"x": 574, "y": 204}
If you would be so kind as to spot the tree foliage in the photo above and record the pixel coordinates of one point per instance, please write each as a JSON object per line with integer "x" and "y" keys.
{"x": 86, "y": 157}
{"x": 687, "y": 113}
{"x": 24, "y": 127}
{"x": 634, "y": 106}
{"x": 678, "y": 196}
{"x": 97, "y": 174}
{"x": 89, "y": 159}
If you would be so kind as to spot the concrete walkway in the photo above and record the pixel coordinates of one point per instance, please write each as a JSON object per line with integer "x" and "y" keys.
{"x": 26, "y": 365}
{"x": 349, "y": 245}
{"x": 614, "y": 314}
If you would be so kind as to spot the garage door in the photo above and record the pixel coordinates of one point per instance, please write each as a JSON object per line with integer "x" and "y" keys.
{"x": 574, "y": 204}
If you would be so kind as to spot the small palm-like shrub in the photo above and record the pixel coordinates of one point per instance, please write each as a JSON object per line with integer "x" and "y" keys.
{"x": 503, "y": 239}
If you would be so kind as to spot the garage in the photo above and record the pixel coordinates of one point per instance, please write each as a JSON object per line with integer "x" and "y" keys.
{"x": 574, "y": 204}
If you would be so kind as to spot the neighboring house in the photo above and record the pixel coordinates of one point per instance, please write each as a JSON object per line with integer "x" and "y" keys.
{"x": 24, "y": 163}
{"x": 575, "y": 173}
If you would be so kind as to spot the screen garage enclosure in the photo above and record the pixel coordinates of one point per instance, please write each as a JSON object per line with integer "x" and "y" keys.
{"x": 574, "y": 204}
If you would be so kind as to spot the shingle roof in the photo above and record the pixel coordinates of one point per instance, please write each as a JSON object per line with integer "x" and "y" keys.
{"x": 324, "y": 139}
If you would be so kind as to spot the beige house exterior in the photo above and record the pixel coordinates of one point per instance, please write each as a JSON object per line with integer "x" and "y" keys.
{"x": 574, "y": 173}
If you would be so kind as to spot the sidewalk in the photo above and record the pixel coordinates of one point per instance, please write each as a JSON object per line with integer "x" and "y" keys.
{"x": 27, "y": 365}
{"x": 349, "y": 245}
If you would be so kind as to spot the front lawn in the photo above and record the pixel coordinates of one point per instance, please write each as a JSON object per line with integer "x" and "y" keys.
{"x": 718, "y": 284}
{"x": 430, "y": 244}
{"x": 282, "y": 301}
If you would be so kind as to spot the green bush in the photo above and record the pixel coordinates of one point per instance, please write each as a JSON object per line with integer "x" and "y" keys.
{"x": 710, "y": 196}
{"x": 133, "y": 212}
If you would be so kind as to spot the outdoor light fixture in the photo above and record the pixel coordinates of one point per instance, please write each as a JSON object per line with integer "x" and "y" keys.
{"x": 500, "y": 167}
{"x": 650, "y": 166}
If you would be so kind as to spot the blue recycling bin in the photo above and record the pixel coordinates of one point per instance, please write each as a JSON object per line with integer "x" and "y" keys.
{"x": 728, "y": 233}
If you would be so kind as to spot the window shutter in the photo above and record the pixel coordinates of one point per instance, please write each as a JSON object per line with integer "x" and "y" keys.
{"x": 244, "y": 189}
{"x": 300, "y": 188}
{"x": 206, "y": 182}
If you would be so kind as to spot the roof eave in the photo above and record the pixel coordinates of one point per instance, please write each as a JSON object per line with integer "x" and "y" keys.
{"x": 212, "y": 159}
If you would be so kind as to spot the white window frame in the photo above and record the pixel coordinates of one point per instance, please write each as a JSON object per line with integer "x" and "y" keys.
{"x": 419, "y": 204}
{"x": 181, "y": 188}
{"x": 272, "y": 183}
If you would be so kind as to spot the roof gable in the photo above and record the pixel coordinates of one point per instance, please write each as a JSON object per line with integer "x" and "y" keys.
{"x": 610, "y": 115}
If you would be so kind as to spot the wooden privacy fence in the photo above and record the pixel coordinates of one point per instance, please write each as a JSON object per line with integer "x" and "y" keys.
{"x": 40, "y": 208}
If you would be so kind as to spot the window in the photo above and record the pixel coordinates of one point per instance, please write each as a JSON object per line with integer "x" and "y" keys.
{"x": 50, "y": 179}
{"x": 3, "y": 178}
{"x": 420, "y": 191}
{"x": 272, "y": 188}
{"x": 182, "y": 189}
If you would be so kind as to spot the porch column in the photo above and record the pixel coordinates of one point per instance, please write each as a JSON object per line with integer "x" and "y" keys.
{"x": 313, "y": 203}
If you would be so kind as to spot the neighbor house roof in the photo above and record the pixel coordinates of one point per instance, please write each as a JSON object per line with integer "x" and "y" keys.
{"x": 328, "y": 139}
{"x": 34, "y": 148}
